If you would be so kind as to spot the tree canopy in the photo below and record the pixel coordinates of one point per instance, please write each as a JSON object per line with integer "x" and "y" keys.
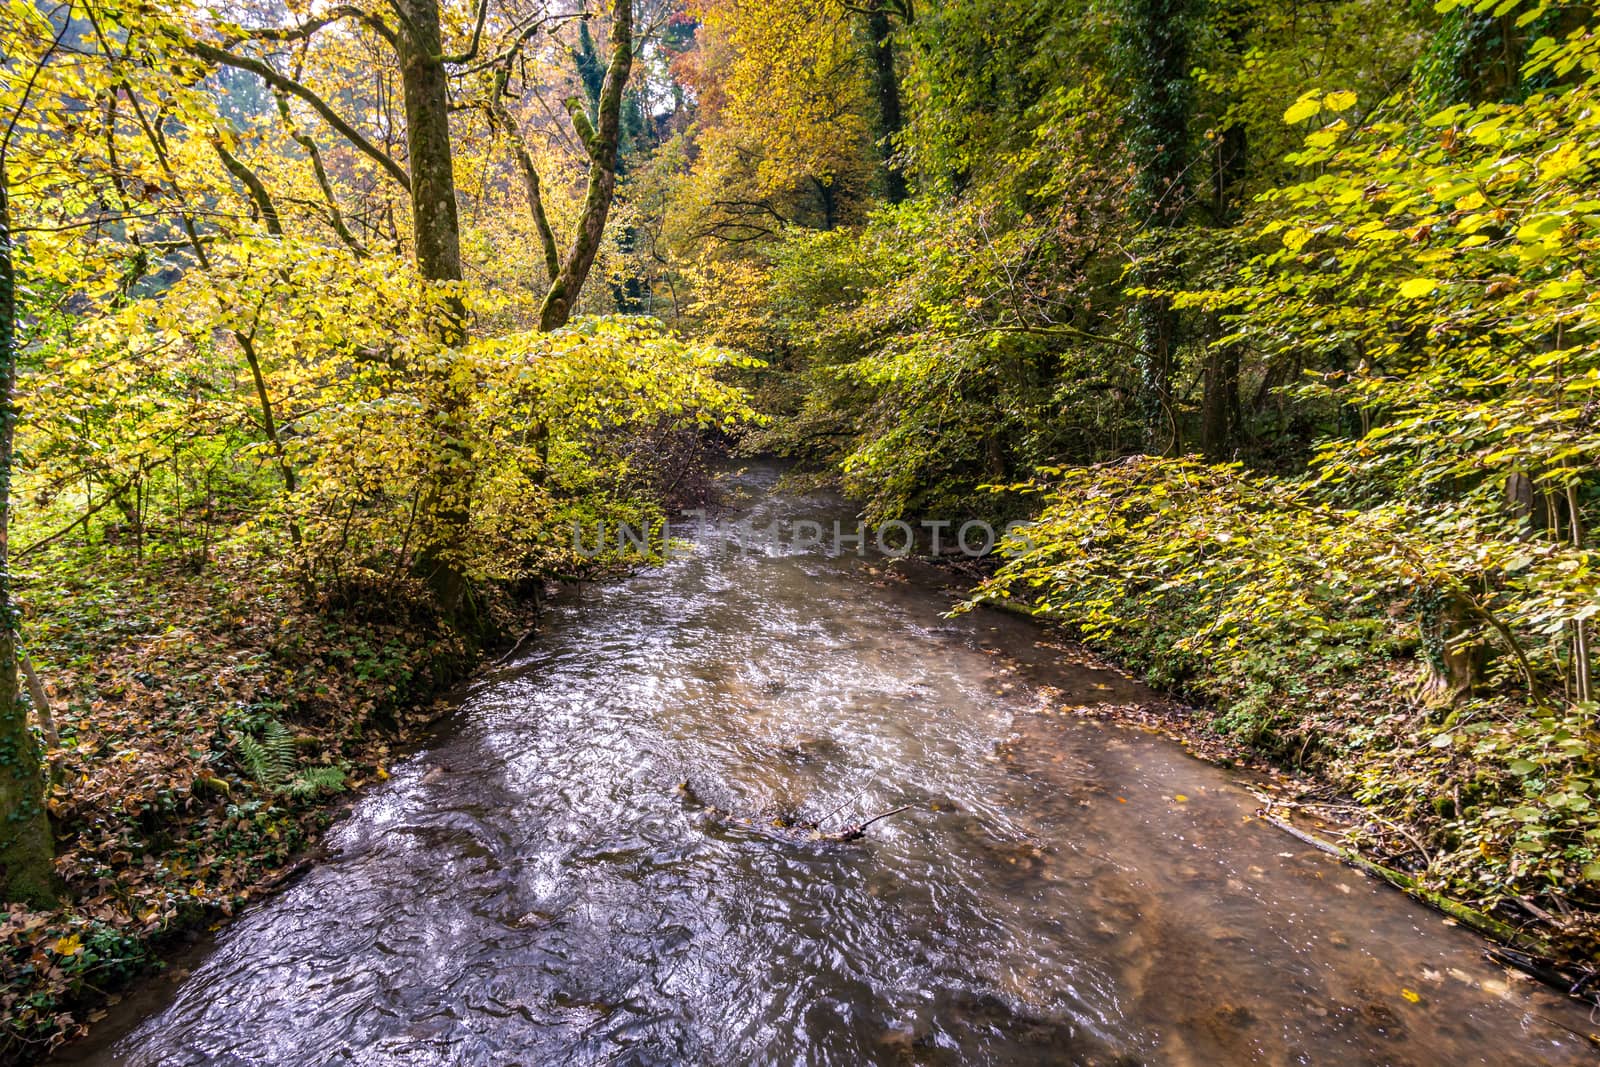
{"x": 1274, "y": 323}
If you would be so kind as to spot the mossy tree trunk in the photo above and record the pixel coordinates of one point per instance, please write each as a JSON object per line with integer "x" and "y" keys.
{"x": 25, "y": 844}
{"x": 1153, "y": 44}
{"x": 599, "y": 140}
{"x": 436, "y": 235}
{"x": 425, "y": 83}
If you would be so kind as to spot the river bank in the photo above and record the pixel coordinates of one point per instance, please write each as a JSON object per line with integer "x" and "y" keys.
{"x": 213, "y": 723}
{"x": 1429, "y": 799}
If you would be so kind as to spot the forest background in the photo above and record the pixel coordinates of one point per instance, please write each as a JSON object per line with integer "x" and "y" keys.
{"x": 321, "y": 324}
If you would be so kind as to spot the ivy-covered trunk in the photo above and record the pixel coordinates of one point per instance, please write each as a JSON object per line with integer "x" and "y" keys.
{"x": 886, "y": 85}
{"x": 25, "y": 845}
{"x": 1474, "y": 58}
{"x": 1153, "y": 47}
{"x": 1453, "y": 657}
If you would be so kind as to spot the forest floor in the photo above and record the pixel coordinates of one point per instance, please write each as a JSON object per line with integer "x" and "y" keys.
{"x": 212, "y": 723}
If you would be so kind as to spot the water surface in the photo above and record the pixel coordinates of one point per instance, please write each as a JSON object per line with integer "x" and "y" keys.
{"x": 539, "y": 888}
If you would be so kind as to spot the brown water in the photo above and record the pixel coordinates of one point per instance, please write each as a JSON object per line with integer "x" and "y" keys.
{"x": 536, "y": 889}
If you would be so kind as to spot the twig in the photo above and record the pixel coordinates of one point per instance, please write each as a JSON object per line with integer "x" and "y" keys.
{"x": 1483, "y": 923}
{"x": 514, "y": 649}
{"x": 851, "y": 833}
{"x": 41, "y": 703}
{"x": 109, "y": 498}
{"x": 842, "y": 806}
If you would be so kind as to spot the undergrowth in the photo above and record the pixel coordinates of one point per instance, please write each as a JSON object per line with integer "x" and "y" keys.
{"x": 1305, "y": 630}
{"x": 210, "y": 720}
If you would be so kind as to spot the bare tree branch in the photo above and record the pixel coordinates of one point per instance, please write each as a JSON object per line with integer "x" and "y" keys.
{"x": 304, "y": 140}
{"x": 252, "y": 183}
{"x": 221, "y": 56}
{"x": 500, "y": 117}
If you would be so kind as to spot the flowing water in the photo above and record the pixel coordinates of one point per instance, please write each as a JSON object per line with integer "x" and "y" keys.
{"x": 539, "y": 888}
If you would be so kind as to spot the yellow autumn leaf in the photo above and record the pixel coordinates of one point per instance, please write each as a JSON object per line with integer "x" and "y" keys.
{"x": 1563, "y": 161}
{"x": 68, "y": 946}
{"x": 1303, "y": 109}
{"x": 1412, "y": 995}
{"x": 1340, "y": 100}
{"x": 1417, "y": 287}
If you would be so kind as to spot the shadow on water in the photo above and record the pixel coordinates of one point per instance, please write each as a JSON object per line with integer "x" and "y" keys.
{"x": 537, "y": 888}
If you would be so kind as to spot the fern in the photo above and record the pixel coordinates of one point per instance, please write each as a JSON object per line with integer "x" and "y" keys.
{"x": 252, "y": 756}
{"x": 271, "y": 759}
{"x": 316, "y": 780}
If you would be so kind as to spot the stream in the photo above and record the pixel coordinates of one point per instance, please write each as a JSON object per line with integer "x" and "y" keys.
{"x": 538, "y": 887}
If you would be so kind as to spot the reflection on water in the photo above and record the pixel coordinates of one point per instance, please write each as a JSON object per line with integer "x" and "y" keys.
{"x": 538, "y": 889}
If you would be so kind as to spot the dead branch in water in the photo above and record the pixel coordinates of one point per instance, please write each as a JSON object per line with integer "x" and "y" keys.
{"x": 851, "y": 833}
{"x": 1472, "y": 918}
{"x": 514, "y": 649}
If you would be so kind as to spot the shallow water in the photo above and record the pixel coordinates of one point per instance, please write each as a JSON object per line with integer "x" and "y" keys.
{"x": 537, "y": 888}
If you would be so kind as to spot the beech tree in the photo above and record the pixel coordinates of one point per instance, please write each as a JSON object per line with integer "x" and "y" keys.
{"x": 250, "y": 175}
{"x": 24, "y": 831}
{"x": 426, "y": 70}
{"x": 25, "y": 841}
{"x": 599, "y": 140}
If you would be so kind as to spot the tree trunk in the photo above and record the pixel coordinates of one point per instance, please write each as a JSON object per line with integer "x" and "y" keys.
{"x": 501, "y": 117}
{"x": 1582, "y": 682}
{"x": 437, "y": 237}
{"x": 828, "y": 200}
{"x": 1454, "y": 657}
{"x": 425, "y": 84}
{"x": 887, "y": 87}
{"x": 1231, "y": 160}
{"x": 25, "y": 843}
{"x": 1153, "y": 39}
{"x": 601, "y": 144}
{"x": 1478, "y": 57}
{"x": 269, "y": 217}
{"x": 1155, "y": 334}
{"x": 1219, "y": 401}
